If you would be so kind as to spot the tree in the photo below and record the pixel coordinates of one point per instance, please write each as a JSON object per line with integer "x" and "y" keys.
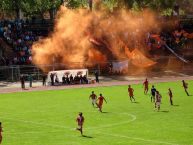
{"x": 9, "y": 7}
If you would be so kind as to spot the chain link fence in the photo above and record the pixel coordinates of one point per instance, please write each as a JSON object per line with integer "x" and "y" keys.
{"x": 168, "y": 66}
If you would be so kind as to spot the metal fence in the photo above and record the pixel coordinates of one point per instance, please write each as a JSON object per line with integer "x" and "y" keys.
{"x": 165, "y": 66}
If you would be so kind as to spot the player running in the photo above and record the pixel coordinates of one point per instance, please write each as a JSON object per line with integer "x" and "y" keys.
{"x": 130, "y": 91}
{"x": 100, "y": 103}
{"x": 80, "y": 121}
{"x": 146, "y": 86}
{"x": 185, "y": 86}
{"x": 153, "y": 92}
{"x": 158, "y": 100}
{"x": 93, "y": 98}
{"x": 1, "y": 130}
{"x": 170, "y": 95}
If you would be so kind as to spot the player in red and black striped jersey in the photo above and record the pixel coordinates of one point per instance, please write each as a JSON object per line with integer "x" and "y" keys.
{"x": 93, "y": 98}
{"x": 1, "y": 130}
{"x": 80, "y": 121}
{"x": 146, "y": 86}
{"x": 157, "y": 100}
{"x": 130, "y": 91}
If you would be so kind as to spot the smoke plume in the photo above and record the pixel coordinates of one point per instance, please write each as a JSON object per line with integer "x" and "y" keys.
{"x": 87, "y": 38}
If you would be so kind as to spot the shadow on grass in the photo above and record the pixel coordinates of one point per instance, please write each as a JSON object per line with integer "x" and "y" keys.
{"x": 86, "y": 136}
{"x": 165, "y": 111}
{"x": 176, "y": 105}
{"x": 105, "y": 112}
{"x": 135, "y": 102}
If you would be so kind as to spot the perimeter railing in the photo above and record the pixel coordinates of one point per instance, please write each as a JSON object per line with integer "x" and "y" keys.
{"x": 168, "y": 66}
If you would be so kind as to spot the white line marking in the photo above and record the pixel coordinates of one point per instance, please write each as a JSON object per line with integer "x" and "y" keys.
{"x": 140, "y": 139}
{"x": 110, "y": 125}
{"x": 36, "y": 123}
{"x": 133, "y": 118}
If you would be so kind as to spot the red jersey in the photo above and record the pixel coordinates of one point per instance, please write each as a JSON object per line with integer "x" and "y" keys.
{"x": 1, "y": 130}
{"x": 146, "y": 83}
{"x": 130, "y": 90}
{"x": 158, "y": 98}
{"x": 80, "y": 120}
{"x": 93, "y": 96}
{"x": 101, "y": 98}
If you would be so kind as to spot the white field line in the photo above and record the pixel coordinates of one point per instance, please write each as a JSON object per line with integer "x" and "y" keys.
{"x": 36, "y": 123}
{"x": 110, "y": 125}
{"x": 140, "y": 139}
{"x": 133, "y": 117}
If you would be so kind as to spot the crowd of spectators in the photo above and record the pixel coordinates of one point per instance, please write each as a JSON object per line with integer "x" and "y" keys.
{"x": 19, "y": 38}
{"x": 68, "y": 79}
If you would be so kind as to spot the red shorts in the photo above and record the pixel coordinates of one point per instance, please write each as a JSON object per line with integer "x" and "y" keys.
{"x": 100, "y": 104}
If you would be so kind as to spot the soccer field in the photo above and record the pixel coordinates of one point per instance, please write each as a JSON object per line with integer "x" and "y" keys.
{"x": 48, "y": 117}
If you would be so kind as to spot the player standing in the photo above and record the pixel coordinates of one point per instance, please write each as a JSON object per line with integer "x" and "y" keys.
{"x": 130, "y": 91}
{"x": 1, "y": 130}
{"x": 185, "y": 86}
{"x": 80, "y": 121}
{"x": 153, "y": 92}
{"x": 158, "y": 100}
{"x": 170, "y": 95}
{"x": 146, "y": 86}
{"x": 93, "y": 98}
{"x": 100, "y": 103}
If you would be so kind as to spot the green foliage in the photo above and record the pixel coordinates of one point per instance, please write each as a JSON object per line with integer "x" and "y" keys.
{"x": 110, "y": 4}
{"x": 6, "y": 7}
{"x": 76, "y": 3}
{"x": 167, "y": 12}
{"x": 31, "y": 7}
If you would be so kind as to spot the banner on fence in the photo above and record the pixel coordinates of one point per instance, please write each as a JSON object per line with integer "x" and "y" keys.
{"x": 120, "y": 67}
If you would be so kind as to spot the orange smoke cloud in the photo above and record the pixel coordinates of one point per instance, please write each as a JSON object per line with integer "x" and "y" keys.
{"x": 93, "y": 37}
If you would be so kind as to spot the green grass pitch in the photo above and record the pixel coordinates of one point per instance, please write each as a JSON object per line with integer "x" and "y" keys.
{"x": 48, "y": 117}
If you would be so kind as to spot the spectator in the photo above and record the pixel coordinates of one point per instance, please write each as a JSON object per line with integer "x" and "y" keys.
{"x": 30, "y": 78}
{"x": 96, "y": 73}
{"x": 22, "y": 79}
{"x": 52, "y": 79}
{"x": 85, "y": 79}
{"x": 67, "y": 80}
{"x": 64, "y": 79}
{"x": 56, "y": 79}
{"x": 81, "y": 79}
{"x": 44, "y": 79}
{"x": 18, "y": 37}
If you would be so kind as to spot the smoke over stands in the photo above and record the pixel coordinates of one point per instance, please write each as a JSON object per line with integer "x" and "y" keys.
{"x": 92, "y": 37}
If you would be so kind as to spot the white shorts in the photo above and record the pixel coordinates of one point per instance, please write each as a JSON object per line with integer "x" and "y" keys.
{"x": 158, "y": 103}
{"x": 79, "y": 126}
{"x": 93, "y": 101}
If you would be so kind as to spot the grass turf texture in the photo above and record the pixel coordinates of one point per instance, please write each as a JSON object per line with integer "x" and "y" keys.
{"x": 48, "y": 117}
